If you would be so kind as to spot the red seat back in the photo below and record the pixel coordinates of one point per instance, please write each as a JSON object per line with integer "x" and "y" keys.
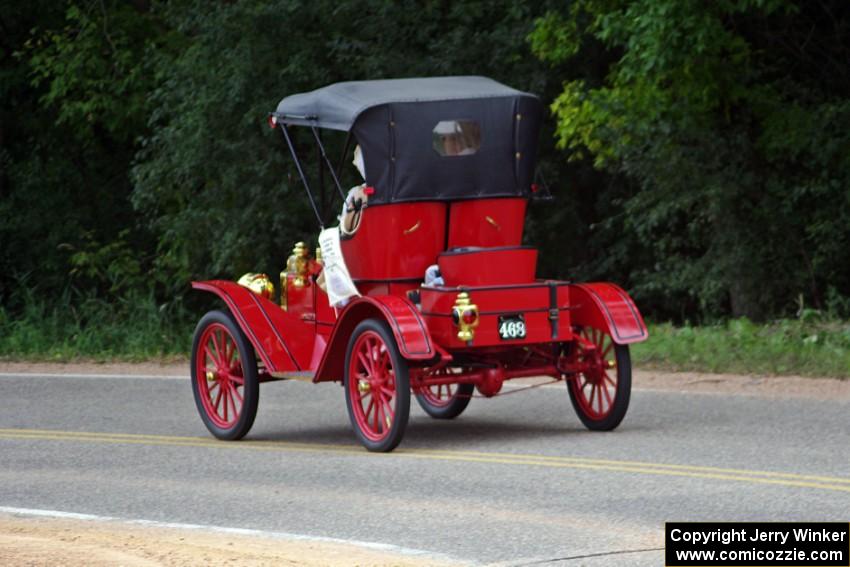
{"x": 396, "y": 242}
{"x": 486, "y": 222}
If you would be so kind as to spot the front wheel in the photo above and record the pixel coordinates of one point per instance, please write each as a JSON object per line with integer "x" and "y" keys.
{"x": 377, "y": 386}
{"x": 445, "y": 401}
{"x": 225, "y": 381}
{"x": 600, "y": 394}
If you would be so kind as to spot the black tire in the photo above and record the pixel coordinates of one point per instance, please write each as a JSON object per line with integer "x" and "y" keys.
{"x": 620, "y": 404}
{"x": 461, "y": 398}
{"x": 388, "y": 439}
{"x": 212, "y": 322}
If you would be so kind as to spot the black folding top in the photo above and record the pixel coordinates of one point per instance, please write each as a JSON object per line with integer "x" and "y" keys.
{"x": 337, "y": 106}
{"x": 430, "y": 138}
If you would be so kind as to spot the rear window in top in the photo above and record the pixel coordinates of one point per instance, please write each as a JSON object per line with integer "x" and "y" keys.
{"x": 456, "y": 137}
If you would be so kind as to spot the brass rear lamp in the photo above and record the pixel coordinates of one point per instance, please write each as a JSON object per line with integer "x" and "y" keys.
{"x": 465, "y": 317}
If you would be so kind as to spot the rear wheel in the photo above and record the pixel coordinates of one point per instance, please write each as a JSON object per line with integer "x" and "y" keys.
{"x": 224, "y": 376}
{"x": 445, "y": 401}
{"x": 377, "y": 386}
{"x": 600, "y": 395}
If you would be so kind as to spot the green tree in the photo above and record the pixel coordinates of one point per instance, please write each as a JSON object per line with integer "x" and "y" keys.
{"x": 74, "y": 93}
{"x": 728, "y": 124}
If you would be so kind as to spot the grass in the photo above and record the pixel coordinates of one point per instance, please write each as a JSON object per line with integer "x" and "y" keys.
{"x": 137, "y": 328}
{"x": 134, "y": 329}
{"x": 785, "y": 347}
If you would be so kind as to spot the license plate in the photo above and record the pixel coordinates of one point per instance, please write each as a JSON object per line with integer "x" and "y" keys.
{"x": 511, "y": 327}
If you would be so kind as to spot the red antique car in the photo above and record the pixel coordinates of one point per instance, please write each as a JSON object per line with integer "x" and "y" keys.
{"x": 449, "y": 165}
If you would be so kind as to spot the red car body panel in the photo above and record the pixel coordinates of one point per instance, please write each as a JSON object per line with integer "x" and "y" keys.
{"x": 534, "y": 301}
{"x": 503, "y": 265}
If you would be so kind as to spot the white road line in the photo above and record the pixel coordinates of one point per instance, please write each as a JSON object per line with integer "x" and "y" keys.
{"x": 95, "y": 376}
{"x": 19, "y": 375}
{"x": 51, "y": 514}
{"x": 385, "y": 547}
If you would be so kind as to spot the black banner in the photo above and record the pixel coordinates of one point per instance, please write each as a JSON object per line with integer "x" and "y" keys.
{"x": 762, "y": 544}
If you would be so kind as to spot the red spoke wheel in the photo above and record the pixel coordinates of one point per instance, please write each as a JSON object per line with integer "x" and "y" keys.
{"x": 224, "y": 376}
{"x": 444, "y": 401}
{"x": 377, "y": 386}
{"x": 600, "y": 394}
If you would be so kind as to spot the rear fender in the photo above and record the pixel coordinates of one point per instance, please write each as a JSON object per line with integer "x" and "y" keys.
{"x": 607, "y": 307}
{"x": 283, "y": 341}
{"x": 411, "y": 335}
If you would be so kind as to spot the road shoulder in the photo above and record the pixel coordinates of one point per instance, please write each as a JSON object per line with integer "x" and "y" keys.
{"x": 644, "y": 379}
{"x": 40, "y": 541}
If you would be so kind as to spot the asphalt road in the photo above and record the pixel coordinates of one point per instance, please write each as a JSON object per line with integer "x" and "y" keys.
{"x": 515, "y": 480}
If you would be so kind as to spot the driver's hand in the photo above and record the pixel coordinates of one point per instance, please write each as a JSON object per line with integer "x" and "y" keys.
{"x": 356, "y": 200}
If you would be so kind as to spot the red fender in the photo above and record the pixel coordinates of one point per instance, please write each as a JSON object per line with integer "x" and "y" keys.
{"x": 283, "y": 341}
{"x": 411, "y": 334}
{"x": 607, "y": 307}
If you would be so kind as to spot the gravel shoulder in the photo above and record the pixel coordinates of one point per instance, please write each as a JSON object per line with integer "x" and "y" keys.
{"x": 44, "y": 541}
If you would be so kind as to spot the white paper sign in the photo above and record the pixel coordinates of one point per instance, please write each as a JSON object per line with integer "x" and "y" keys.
{"x": 338, "y": 280}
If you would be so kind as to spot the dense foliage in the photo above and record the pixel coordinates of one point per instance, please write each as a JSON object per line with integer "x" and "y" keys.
{"x": 699, "y": 152}
{"x": 729, "y": 123}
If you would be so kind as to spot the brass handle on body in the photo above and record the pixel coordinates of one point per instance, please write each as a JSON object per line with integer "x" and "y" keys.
{"x": 413, "y": 228}
{"x": 489, "y": 219}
